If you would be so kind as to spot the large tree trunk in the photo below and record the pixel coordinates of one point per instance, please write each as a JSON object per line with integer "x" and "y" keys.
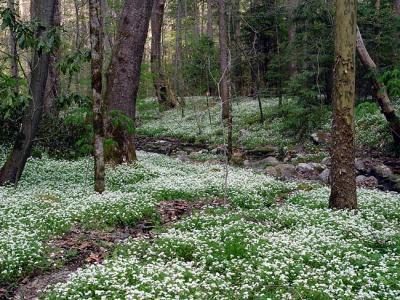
{"x": 379, "y": 89}
{"x": 225, "y": 68}
{"x": 124, "y": 75}
{"x": 42, "y": 12}
{"x": 160, "y": 85}
{"x": 13, "y": 48}
{"x": 97, "y": 50}
{"x": 344, "y": 190}
{"x": 53, "y": 79}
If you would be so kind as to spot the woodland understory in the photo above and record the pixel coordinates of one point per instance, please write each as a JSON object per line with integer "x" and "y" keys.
{"x": 199, "y": 149}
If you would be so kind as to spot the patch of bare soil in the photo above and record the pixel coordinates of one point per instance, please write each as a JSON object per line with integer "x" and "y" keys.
{"x": 81, "y": 247}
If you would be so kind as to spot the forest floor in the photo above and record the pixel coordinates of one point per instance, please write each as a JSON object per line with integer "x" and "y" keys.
{"x": 184, "y": 225}
{"x": 164, "y": 230}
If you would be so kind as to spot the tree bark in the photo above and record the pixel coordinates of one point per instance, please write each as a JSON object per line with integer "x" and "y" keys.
{"x": 124, "y": 76}
{"x": 210, "y": 31}
{"x": 160, "y": 85}
{"x": 292, "y": 5}
{"x": 397, "y": 7}
{"x": 97, "y": 50}
{"x": 379, "y": 89}
{"x": 53, "y": 79}
{"x": 225, "y": 68}
{"x": 42, "y": 12}
{"x": 224, "y": 60}
{"x": 13, "y": 48}
{"x": 344, "y": 190}
{"x": 178, "y": 47}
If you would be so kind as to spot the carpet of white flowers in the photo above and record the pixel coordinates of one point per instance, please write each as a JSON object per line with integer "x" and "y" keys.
{"x": 202, "y": 124}
{"x": 253, "y": 248}
{"x": 296, "y": 250}
{"x": 56, "y": 195}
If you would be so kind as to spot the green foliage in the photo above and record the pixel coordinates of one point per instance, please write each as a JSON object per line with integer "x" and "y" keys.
{"x": 120, "y": 120}
{"x": 391, "y": 79}
{"x": 201, "y": 68}
{"x": 72, "y": 63}
{"x": 25, "y": 33}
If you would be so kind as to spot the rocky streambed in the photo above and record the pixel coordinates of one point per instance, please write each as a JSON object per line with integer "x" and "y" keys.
{"x": 373, "y": 171}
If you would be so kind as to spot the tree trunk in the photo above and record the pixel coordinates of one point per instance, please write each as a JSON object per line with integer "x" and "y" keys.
{"x": 379, "y": 89}
{"x": 210, "y": 32}
{"x": 224, "y": 60}
{"x": 224, "y": 66}
{"x": 13, "y": 48}
{"x": 124, "y": 76}
{"x": 397, "y": 7}
{"x": 24, "y": 9}
{"x": 53, "y": 79}
{"x": 97, "y": 50}
{"x": 160, "y": 85}
{"x": 178, "y": 47}
{"x": 42, "y": 12}
{"x": 344, "y": 190}
{"x": 292, "y": 5}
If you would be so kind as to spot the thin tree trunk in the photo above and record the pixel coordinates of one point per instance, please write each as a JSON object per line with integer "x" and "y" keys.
{"x": 379, "y": 89}
{"x": 210, "y": 32}
{"x": 178, "y": 47}
{"x": 224, "y": 60}
{"x": 344, "y": 190}
{"x": 42, "y": 12}
{"x": 124, "y": 76}
{"x": 97, "y": 50}
{"x": 13, "y": 48}
{"x": 292, "y": 5}
{"x": 53, "y": 79}
{"x": 397, "y": 7}
{"x": 160, "y": 85}
{"x": 196, "y": 13}
{"x": 224, "y": 66}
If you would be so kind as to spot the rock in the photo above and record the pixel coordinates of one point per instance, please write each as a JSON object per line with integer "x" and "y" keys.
{"x": 394, "y": 180}
{"x": 203, "y": 151}
{"x": 325, "y": 176}
{"x": 367, "y": 181}
{"x": 238, "y": 158}
{"x": 361, "y": 166}
{"x": 183, "y": 158}
{"x": 218, "y": 150}
{"x": 270, "y": 161}
{"x": 310, "y": 168}
{"x": 321, "y": 138}
{"x": 381, "y": 171}
{"x": 286, "y": 171}
{"x": 304, "y": 168}
{"x": 327, "y": 161}
{"x": 271, "y": 171}
{"x": 263, "y": 151}
{"x": 282, "y": 171}
{"x": 181, "y": 153}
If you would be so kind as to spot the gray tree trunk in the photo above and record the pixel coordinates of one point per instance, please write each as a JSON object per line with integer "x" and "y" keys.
{"x": 123, "y": 76}
{"x": 12, "y": 43}
{"x": 97, "y": 50}
{"x": 379, "y": 89}
{"x": 157, "y": 19}
{"x": 53, "y": 79}
{"x": 225, "y": 69}
{"x": 42, "y": 12}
